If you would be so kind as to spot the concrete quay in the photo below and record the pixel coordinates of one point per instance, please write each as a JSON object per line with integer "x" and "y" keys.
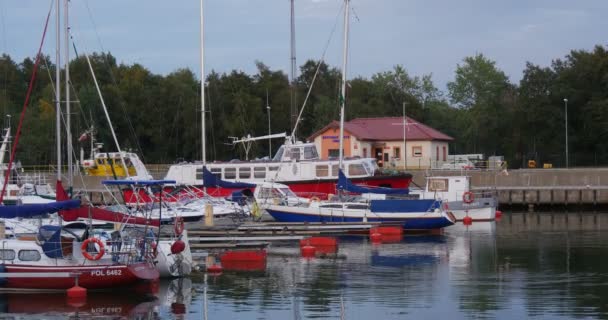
{"x": 586, "y": 187}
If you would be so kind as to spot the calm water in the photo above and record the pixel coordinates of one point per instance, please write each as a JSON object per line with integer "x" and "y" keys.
{"x": 524, "y": 266}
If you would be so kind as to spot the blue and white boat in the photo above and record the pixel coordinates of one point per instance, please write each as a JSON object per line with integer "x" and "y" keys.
{"x": 412, "y": 214}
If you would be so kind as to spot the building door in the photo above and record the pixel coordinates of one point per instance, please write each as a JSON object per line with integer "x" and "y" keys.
{"x": 378, "y": 155}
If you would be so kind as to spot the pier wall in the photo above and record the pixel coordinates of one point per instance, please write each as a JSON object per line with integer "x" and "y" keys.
{"x": 581, "y": 186}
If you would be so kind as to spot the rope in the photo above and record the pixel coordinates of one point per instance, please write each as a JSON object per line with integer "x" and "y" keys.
{"x": 25, "y": 104}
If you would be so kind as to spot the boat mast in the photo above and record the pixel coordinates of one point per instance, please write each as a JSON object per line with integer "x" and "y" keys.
{"x": 58, "y": 87}
{"x": 343, "y": 91}
{"x": 292, "y": 87}
{"x": 67, "y": 95}
{"x": 203, "y": 138}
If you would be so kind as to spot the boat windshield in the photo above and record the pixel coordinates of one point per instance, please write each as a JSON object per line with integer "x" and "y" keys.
{"x": 279, "y": 155}
{"x": 287, "y": 192}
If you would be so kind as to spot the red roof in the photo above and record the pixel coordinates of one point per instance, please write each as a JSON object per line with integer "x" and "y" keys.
{"x": 386, "y": 129}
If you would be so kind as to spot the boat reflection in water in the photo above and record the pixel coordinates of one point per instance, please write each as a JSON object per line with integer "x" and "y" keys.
{"x": 100, "y": 305}
{"x": 159, "y": 300}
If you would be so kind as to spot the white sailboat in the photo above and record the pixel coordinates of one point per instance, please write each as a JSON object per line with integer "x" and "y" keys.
{"x": 411, "y": 214}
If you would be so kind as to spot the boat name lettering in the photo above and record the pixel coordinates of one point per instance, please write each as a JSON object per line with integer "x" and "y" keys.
{"x": 101, "y": 273}
{"x": 110, "y": 310}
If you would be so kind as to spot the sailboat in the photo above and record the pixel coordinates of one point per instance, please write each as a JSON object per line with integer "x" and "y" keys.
{"x": 411, "y": 214}
{"x": 296, "y": 164}
{"x": 59, "y": 257}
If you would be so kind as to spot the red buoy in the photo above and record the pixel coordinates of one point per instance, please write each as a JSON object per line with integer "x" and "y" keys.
{"x": 389, "y": 230}
{"x": 178, "y": 247}
{"x": 215, "y": 269}
{"x": 244, "y": 260}
{"x": 77, "y": 292}
{"x": 324, "y": 245}
{"x": 375, "y": 237}
{"x": 498, "y": 213}
{"x": 178, "y": 308}
{"x": 467, "y": 220}
{"x": 308, "y": 251}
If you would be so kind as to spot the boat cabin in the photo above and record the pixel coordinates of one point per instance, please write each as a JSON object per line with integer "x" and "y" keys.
{"x": 109, "y": 164}
{"x": 450, "y": 188}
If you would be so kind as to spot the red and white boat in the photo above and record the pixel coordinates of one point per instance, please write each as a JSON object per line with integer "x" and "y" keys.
{"x": 56, "y": 257}
{"x": 296, "y": 165}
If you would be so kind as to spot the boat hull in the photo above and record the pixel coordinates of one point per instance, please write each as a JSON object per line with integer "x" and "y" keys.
{"x": 482, "y": 209}
{"x": 409, "y": 221}
{"x": 91, "y": 277}
{"x": 304, "y": 188}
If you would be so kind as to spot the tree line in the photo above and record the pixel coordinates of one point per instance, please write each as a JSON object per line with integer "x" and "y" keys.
{"x": 159, "y": 116}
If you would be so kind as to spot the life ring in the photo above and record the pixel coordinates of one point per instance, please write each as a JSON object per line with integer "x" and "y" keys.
{"x": 87, "y": 255}
{"x": 446, "y": 207}
{"x": 314, "y": 199}
{"x": 468, "y": 197}
{"x": 154, "y": 253}
{"x": 178, "y": 226}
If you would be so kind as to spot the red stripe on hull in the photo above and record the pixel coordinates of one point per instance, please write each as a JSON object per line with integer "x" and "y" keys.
{"x": 307, "y": 188}
{"x": 91, "y": 278}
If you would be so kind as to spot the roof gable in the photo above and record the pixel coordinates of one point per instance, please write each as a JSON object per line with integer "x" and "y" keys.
{"x": 387, "y": 128}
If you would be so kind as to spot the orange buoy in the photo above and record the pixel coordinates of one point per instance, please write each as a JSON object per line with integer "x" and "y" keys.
{"x": 308, "y": 251}
{"x": 467, "y": 220}
{"x": 376, "y": 237}
{"x": 215, "y": 269}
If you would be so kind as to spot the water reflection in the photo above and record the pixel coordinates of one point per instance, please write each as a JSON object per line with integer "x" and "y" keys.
{"x": 101, "y": 305}
{"x": 527, "y": 265}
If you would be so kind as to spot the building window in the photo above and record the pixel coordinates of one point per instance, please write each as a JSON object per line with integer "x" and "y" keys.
{"x": 364, "y": 152}
{"x": 417, "y": 151}
{"x": 397, "y": 152}
{"x": 437, "y": 153}
{"x": 445, "y": 153}
{"x": 334, "y": 153}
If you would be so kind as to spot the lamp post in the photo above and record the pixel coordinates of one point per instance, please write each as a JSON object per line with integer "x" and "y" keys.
{"x": 566, "y": 124}
{"x": 269, "y": 132}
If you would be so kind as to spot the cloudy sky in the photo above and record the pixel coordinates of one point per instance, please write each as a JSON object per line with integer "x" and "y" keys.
{"x": 425, "y": 36}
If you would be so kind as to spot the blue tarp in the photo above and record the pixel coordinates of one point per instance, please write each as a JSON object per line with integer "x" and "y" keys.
{"x": 210, "y": 180}
{"x": 138, "y": 182}
{"x": 50, "y": 240}
{"x": 31, "y": 210}
{"x": 345, "y": 184}
{"x": 419, "y": 205}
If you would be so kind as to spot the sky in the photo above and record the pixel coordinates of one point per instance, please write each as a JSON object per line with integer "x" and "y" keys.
{"x": 425, "y": 36}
